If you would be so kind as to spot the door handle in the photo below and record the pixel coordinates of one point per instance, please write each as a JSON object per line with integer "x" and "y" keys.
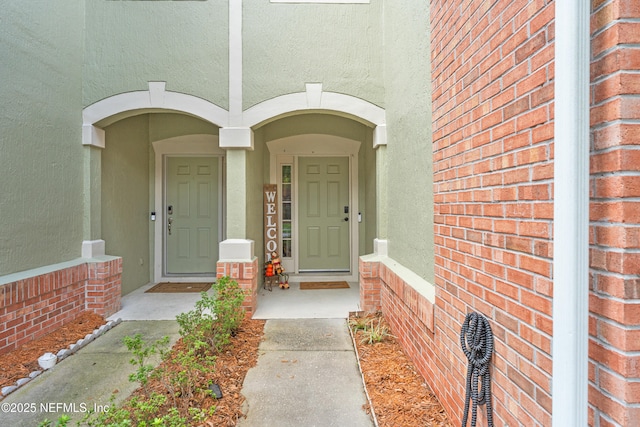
{"x": 169, "y": 222}
{"x": 346, "y": 219}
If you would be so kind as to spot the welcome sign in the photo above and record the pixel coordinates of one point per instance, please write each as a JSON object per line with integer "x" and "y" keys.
{"x": 270, "y": 219}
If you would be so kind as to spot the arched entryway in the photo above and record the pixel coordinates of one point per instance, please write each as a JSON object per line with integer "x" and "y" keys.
{"x": 323, "y": 165}
{"x": 155, "y": 185}
{"x": 290, "y": 129}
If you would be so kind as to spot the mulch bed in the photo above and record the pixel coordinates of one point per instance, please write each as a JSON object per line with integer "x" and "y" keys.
{"x": 21, "y": 362}
{"x": 231, "y": 366}
{"x": 398, "y": 394}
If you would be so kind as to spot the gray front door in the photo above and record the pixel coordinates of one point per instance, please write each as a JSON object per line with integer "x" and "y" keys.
{"x": 191, "y": 212}
{"x": 323, "y": 184}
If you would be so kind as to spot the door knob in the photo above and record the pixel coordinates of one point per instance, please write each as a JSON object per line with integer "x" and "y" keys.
{"x": 169, "y": 222}
{"x": 346, "y": 219}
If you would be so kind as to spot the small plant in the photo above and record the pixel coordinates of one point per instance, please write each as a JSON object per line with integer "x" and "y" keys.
{"x": 375, "y": 333}
{"x": 142, "y": 353}
{"x": 358, "y": 323}
{"x": 137, "y": 412}
{"x": 185, "y": 382}
{"x": 200, "y": 415}
{"x": 63, "y": 420}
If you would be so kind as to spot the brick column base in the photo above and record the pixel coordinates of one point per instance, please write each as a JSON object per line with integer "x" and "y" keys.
{"x": 370, "y": 285}
{"x": 246, "y": 274}
{"x": 103, "y": 289}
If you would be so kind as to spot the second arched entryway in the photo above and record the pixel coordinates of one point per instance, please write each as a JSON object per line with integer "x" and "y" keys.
{"x": 324, "y": 169}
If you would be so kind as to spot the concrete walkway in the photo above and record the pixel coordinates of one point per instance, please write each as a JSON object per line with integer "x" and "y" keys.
{"x": 307, "y": 375}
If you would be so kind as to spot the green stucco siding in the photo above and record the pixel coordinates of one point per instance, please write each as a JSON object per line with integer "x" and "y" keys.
{"x": 183, "y": 43}
{"x": 288, "y": 45}
{"x": 314, "y": 123}
{"x": 125, "y": 198}
{"x": 167, "y": 125}
{"x": 41, "y": 156}
{"x": 408, "y": 106}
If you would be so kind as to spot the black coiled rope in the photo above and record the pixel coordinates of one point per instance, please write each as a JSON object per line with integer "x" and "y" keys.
{"x": 476, "y": 339}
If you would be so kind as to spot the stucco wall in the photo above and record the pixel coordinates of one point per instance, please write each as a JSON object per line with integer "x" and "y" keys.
{"x": 125, "y": 198}
{"x": 41, "y": 156}
{"x": 314, "y": 123}
{"x": 288, "y": 45}
{"x": 184, "y": 43}
{"x": 168, "y": 125}
{"x": 408, "y": 107}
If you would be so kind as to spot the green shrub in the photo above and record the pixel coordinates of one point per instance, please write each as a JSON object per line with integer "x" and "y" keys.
{"x": 214, "y": 318}
{"x": 142, "y": 352}
{"x": 205, "y": 330}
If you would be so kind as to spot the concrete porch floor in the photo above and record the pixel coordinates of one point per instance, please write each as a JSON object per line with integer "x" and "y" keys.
{"x": 291, "y": 303}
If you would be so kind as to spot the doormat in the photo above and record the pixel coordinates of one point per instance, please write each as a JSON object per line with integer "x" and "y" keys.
{"x": 170, "y": 288}
{"x": 323, "y": 285}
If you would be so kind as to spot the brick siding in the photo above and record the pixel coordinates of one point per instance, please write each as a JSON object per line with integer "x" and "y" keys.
{"x": 614, "y": 324}
{"x": 493, "y": 188}
{"x": 35, "y": 306}
{"x": 493, "y": 111}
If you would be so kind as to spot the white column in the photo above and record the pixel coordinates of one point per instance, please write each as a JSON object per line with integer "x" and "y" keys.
{"x": 380, "y": 243}
{"x": 571, "y": 215}
{"x": 236, "y": 139}
{"x": 93, "y": 140}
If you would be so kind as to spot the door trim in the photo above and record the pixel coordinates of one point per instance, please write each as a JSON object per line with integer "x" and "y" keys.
{"x": 186, "y": 146}
{"x": 286, "y": 151}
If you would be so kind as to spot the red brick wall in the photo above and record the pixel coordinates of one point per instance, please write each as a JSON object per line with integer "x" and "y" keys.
{"x": 614, "y": 373}
{"x": 104, "y": 287}
{"x": 369, "y": 271}
{"x": 493, "y": 105}
{"x": 247, "y": 276}
{"x": 410, "y": 316}
{"x": 492, "y": 93}
{"x": 36, "y": 306}
{"x": 492, "y": 156}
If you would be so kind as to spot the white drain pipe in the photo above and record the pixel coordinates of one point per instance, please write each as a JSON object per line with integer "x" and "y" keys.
{"x": 571, "y": 214}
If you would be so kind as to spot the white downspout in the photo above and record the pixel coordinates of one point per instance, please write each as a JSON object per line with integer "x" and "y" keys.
{"x": 571, "y": 214}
